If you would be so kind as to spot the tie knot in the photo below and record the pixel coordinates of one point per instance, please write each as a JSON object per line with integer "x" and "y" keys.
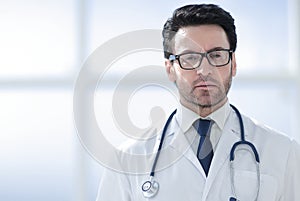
{"x": 203, "y": 126}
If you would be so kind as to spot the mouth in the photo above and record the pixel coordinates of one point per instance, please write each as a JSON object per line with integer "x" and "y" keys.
{"x": 205, "y": 86}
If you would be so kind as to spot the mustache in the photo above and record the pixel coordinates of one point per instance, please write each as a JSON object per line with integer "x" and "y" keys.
{"x": 205, "y": 79}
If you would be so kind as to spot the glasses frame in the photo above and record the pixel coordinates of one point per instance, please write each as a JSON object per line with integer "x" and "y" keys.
{"x": 173, "y": 57}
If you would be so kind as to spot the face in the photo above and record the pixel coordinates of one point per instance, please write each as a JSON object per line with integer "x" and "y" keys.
{"x": 205, "y": 88}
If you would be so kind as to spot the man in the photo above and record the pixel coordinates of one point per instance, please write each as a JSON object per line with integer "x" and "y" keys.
{"x": 199, "y": 45}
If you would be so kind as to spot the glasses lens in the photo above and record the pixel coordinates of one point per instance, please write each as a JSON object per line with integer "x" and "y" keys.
{"x": 218, "y": 57}
{"x": 190, "y": 60}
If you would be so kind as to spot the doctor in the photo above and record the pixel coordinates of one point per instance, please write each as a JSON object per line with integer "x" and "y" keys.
{"x": 199, "y": 44}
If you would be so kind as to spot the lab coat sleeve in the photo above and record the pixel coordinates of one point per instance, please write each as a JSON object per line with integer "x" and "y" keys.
{"x": 113, "y": 186}
{"x": 292, "y": 174}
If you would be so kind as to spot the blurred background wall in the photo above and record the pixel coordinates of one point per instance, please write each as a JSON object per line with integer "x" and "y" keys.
{"x": 43, "y": 45}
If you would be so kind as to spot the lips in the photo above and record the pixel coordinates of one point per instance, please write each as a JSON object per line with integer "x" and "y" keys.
{"x": 204, "y": 85}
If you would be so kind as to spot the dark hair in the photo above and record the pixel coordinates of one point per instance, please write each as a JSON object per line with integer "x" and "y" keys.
{"x": 198, "y": 14}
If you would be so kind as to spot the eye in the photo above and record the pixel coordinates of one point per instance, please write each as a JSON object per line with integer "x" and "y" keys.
{"x": 216, "y": 55}
{"x": 190, "y": 58}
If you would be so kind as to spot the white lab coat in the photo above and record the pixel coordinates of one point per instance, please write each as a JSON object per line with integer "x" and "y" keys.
{"x": 185, "y": 180}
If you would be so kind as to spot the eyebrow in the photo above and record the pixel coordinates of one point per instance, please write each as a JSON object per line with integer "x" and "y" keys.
{"x": 217, "y": 48}
{"x": 210, "y": 50}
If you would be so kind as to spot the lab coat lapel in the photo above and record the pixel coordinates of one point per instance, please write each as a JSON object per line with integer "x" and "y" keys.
{"x": 183, "y": 147}
{"x": 230, "y": 135}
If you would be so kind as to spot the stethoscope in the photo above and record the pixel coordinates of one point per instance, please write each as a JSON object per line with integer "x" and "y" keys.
{"x": 151, "y": 186}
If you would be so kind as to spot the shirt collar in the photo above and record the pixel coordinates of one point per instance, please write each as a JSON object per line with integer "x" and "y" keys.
{"x": 187, "y": 117}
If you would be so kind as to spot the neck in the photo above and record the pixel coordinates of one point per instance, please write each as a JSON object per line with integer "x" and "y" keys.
{"x": 206, "y": 110}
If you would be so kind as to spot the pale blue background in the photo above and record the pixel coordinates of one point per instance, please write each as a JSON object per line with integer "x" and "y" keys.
{"x": 43, "y": 45}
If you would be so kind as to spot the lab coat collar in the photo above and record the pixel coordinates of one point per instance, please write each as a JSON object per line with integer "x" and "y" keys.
{"x": 185, "y": 117}
{"x": 230, "y": 135}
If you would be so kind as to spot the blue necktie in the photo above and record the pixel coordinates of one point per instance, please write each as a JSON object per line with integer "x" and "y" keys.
{"x": 205, "y": 151}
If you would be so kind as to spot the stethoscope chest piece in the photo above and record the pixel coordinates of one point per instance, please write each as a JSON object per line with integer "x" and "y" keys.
{"x": 150, "y": 188}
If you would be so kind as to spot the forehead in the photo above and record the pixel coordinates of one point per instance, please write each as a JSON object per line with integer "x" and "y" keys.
{"x": 200, "y": 38}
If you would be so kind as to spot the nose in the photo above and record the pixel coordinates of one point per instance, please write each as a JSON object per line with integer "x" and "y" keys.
{"x": 205, "y": 68}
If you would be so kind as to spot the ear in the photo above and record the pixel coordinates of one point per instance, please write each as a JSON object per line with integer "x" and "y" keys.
{"x": 233, "y": 64}
{"x": 170, "y": 70}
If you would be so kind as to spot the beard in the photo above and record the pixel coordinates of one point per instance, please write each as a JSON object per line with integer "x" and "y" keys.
{"x": 202, "y": 98}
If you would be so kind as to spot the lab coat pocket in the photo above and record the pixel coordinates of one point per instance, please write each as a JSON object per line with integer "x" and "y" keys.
{"x": 247, "y": 186}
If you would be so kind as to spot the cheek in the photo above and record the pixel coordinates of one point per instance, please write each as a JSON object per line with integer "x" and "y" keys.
{"x": 224, "y": 74}
{"x": 186, "y": 77}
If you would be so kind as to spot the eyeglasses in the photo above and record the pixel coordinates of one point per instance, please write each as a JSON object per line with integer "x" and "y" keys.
{"x": 192, "y": 60}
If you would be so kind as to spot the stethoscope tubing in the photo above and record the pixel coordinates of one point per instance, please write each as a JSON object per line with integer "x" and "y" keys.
{"x": 242, "y": 141}
{"x": 161, "y": 143}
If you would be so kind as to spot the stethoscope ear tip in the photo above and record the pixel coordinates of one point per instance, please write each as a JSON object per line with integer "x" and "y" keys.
{"x": 232, "y": 199}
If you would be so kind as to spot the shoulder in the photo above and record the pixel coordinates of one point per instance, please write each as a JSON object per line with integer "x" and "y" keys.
{"x": 140, "y": 146}
{"x": 276, "y": 149}
{"x": 135, "y": 156}
{"x": 259, "y": 130}
{"x": 273, "y": 145}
